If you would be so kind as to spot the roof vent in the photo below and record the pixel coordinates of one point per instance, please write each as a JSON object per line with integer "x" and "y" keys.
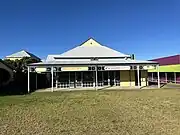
{"x": 94, "y": 59}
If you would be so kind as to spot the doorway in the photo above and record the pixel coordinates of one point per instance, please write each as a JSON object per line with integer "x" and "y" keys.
{"x": 136, "y": 77}
{"x": 72, "y": 79}
{"x": 111, "y": 78}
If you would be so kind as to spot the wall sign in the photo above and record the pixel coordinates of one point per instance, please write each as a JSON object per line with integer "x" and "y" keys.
{"x": 74, "y": 69}
{"x": 149, "y": 67}
{"x": 117, "y": 68}
{"x": 40, "y": 69}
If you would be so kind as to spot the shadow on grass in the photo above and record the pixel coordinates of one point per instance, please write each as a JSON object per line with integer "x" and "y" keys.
{"x": 20, "y": 85}
{"x": 163, "y": 85}
{"x": 13, "y": 89}
{"x": 105, "y": 88}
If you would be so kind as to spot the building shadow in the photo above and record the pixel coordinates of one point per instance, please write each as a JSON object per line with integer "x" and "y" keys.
{"x": 105, "y": 87}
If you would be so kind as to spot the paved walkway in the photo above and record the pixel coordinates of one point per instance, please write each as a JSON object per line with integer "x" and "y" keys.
{"x": 166, "y": 86}
{"x": 171, "y": 86}
{"x": 99, "y": 88}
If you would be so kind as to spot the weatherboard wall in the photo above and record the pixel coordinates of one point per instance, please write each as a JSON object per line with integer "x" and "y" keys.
{"x": 127, "y": 78}
{"x": 132, "y": 78}
{"x": 124, "y": 78}
{"x": 167, "y": 68}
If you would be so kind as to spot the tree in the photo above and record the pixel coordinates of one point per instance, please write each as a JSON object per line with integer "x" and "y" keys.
{"x": 19, "y": 83}
{"x": 21, "y": 65}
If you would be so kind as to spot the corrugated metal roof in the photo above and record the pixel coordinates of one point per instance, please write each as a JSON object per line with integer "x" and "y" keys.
{"x": 169, "y": 60}
{"x": 92, "y": 51}
{"x": 90, "y": 48}
{"x": 22, "y": 54}
{"x": 110, "y": 61}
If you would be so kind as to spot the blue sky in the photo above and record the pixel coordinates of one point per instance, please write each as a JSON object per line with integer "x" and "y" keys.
{"x": 147, "y": 28}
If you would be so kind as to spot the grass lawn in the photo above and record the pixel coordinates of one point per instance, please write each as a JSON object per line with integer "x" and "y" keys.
{"x": 92, "y": 113}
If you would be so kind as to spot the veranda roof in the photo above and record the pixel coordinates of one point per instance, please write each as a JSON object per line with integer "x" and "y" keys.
{"x": 99, "y": 62}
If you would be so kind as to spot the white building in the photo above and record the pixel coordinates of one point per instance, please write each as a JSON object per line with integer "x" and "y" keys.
{"x": 92, "y": 64}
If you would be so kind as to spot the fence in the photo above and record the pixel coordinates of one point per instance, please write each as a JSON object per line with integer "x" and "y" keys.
{"x": 83, "y": 84}
{"x": 163, "y": 80}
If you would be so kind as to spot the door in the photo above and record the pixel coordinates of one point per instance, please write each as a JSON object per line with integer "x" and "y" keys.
{"x": 136, "y": 77}
{"x": 100, "y": 78}
{"x": 117, "y": 78}
{"x": 105, "y": 77}
{"x": 78, "y": 80}
{"x": 111, "y": 77}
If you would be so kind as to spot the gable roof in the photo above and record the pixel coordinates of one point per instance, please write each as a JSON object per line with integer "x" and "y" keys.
{"x": 22, "y": 54}
{"x": 91, "y": 48}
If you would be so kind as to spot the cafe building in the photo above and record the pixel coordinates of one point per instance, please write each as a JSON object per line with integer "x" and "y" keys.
{"x": 93, "y": 65}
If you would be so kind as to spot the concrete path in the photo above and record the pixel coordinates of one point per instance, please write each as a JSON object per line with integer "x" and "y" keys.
{"x": 171, "y": 86}
{"x": 167, "y": 86}
{"x": 90, "y": 88}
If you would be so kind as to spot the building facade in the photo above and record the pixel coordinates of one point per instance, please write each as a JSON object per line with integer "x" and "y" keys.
{"x": 169, "y": 70}
{"x": 93, "y": 65}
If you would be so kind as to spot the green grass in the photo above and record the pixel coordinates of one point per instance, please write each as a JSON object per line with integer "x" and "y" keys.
{"x": 92, "y": 113}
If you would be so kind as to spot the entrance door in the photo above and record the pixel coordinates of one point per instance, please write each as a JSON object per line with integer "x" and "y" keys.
{"x": 78, "y": 80}
{"x": 100, "y": 78}
{"x": 136, "y": 77}
{"x": 105, "y": 77}
{"x": 111, "y": 77}
{"x": 117, "y": 78}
